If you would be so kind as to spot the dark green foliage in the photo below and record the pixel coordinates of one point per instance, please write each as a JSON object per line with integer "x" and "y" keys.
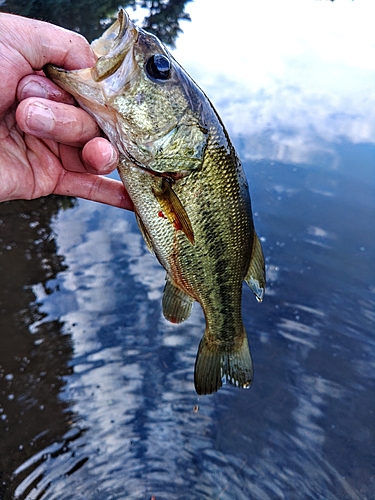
{"x": 164, "y": 18}
{"x": 89, "y": 16}
{"x": 77, "y": 15}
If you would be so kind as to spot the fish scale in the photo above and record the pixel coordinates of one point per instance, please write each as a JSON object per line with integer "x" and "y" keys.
{"x": 189, "y": 191}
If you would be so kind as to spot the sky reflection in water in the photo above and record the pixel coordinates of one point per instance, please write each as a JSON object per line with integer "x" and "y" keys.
{"x": 301, "y": 114}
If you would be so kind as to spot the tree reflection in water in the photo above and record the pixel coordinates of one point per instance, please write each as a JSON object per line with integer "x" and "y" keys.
{"x": 32, "y": 363}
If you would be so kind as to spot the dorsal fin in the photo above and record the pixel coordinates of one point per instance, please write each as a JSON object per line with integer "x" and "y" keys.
{"x": 256, "y": 274}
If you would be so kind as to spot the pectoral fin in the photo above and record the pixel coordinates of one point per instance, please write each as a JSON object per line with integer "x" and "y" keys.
{"x": 176, "y": 304}
{"x": 172, "y": 208}
{"x": 256, "y": 274}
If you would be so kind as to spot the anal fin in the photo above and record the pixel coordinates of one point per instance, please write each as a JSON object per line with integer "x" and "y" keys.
{"x": 177, "y": 305}
{"x": 256, "y": 274}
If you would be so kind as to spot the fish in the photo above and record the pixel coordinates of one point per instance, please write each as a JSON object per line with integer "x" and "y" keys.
{"x": 190, "y": 194}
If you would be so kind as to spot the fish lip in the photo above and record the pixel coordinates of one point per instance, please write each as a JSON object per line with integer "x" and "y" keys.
{"x": 122, "y": 27}
{"x": 74, "y": 81}
{"x": 113, "y": 47}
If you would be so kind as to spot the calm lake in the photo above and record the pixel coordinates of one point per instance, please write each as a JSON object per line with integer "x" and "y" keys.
{"x": 97, "y": 399}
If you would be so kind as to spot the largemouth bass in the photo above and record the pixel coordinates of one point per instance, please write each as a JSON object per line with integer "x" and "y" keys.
{"x": 190, "y": 194}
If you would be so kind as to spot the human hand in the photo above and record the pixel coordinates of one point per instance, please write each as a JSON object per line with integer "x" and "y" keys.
{"x": 47, "y": 144}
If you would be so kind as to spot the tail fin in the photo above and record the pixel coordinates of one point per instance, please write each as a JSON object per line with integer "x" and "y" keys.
{"x": 217, "y": 363}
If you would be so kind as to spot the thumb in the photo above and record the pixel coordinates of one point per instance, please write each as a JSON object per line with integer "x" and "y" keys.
{"x": 41, "y": 43}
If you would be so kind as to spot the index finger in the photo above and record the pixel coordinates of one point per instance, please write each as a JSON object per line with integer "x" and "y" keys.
{"x": 39, "y": 86}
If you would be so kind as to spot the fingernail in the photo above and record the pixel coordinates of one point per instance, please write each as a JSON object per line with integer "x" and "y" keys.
{"x": 110, "y": 157}
{"x": 33, "y": 89}
{"x": 39, "y": 118}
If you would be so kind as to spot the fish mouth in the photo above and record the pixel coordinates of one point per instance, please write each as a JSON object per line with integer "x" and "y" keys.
{"x": 113, "y": 47}
{"x": 112, "y": 72}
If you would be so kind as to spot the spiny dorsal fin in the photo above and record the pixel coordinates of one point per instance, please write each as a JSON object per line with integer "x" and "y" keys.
{"x": 217, "y": 364}
{"x": 176, "y": 304}
{"x": 172, "y": 208}
{"x": 256, "y": 274}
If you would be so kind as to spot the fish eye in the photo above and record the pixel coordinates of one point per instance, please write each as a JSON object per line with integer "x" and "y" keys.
{"x": 159, "y": 67}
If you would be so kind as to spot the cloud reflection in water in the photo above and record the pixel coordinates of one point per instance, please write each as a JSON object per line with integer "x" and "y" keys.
{"x": 293, "y": 77}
